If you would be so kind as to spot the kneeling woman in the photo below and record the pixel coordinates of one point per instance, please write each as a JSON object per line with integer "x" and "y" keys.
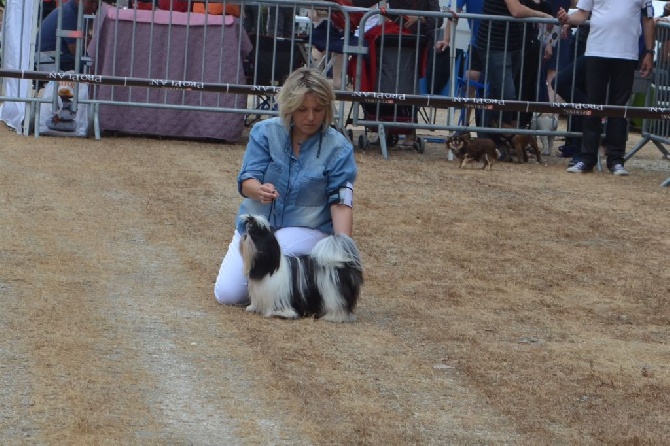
{"x": 298, "y": 172}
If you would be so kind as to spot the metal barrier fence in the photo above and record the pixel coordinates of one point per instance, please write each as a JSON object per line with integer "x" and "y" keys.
{"x": 175, "y": 52}
{"x": 187, "y": 74}
{"x": 657, "y": 131}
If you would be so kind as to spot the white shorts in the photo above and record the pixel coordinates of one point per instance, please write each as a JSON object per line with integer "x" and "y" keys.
{"x": 231, "y": 284}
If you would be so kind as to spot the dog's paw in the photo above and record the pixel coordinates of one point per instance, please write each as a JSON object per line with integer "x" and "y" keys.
{"x": 252, "y": 308}
{"x": 339, "y": 316}
{"x": 546, "y": 152}
{"x": 286, "y": 313}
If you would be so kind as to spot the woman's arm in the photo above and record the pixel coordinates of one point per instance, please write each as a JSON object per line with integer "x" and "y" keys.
{"x": 443, "y": 44}
{"x": 343, "y": 219}
{"x": 257, "y": 158}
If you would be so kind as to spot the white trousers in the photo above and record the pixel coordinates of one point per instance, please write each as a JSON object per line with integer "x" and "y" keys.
{"x": 231, "y": 284}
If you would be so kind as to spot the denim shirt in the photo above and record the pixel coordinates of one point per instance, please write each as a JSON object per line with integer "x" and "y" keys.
{"x": 308, "y": 184}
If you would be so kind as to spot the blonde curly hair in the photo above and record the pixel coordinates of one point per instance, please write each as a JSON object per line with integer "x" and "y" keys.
{"x": 301, "y": 82}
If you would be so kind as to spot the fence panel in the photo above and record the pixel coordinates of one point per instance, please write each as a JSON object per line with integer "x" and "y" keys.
{"x": 189, "y": 74}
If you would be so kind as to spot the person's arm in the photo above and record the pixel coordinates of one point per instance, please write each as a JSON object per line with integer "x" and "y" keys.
{"x": 576, "y": 18}
{"x": 443, "y": 44}
{"x": 649, "y": 29}
{"x": 340, "y": 191}
{"x": 256, "y": 160}
{"x": 343, "y": 219}
{"x": 520, "y": 11}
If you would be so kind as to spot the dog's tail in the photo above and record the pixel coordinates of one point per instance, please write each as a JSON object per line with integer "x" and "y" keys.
{"x": 337, "y": 251}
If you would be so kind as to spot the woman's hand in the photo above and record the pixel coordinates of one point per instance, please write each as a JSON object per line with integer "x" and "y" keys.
{"x": 267, "y": 193}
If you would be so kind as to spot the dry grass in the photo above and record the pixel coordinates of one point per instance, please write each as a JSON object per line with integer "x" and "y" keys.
{"x": 520, "y": 306}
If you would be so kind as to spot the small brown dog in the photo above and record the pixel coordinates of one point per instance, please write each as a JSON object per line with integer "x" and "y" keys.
{"x": 519, "y": 143}
{"x": 469, "y": 149}
{"x": 523, "y": 142}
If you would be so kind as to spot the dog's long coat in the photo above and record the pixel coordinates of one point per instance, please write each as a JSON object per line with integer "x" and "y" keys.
{"x": 326, "y": 283}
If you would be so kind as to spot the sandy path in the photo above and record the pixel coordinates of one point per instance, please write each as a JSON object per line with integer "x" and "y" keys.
{"x": 475, "y": 326}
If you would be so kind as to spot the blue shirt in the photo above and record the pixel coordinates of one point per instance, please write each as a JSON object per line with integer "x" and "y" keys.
{"x": 308, "y": 185}
{"x": 49, "y": 26}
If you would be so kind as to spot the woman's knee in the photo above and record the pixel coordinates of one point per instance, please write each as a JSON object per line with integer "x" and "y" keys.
{"x": 231, "y": 285}
{"x": 228, "y": 295}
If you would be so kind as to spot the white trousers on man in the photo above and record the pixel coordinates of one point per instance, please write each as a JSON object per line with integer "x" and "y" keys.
{"x": 231, "y": 284}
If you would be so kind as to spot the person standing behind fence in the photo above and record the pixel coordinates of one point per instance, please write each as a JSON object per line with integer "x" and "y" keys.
{"x": 612, "y": 51}
{"x": 281, "y": 21}
{"x": 414, "y": 24}
{"x": 47, "y": 33}
{"x": 560, "y": 51}
{"x": 530, "y": 83}
{"x": 475, "y": 65}
{"x": 298, "y": 172}
{"x": 499, "y": 45}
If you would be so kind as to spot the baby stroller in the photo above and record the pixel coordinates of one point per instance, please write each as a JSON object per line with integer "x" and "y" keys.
{"x": 269, "y": 64}
{"x": 391, "y": 67}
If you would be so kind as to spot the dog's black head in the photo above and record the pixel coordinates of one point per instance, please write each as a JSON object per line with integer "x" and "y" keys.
{"x": 259, "y": 247}
{"x": 458, "y": 141}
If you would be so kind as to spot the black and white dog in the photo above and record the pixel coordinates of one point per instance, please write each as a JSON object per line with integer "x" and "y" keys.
{"x": 325, "y": 284}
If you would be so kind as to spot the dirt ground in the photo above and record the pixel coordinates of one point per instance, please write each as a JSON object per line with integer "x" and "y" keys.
{"x": 520, "y": 306}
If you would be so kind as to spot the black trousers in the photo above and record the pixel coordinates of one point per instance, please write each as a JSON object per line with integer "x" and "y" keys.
{"x": 619, "y": 75}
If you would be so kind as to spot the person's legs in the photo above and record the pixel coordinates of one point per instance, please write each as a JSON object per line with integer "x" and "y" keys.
{"x": 298, "y": 241}
{"x": 562, "y": 56}
{"x": 622, "y": 76}
{"x": 530, "y": 79}
{"x": 338, "y": 65}
{"x": 231, "y": 284}
{"x": 570, "y": 84}
{"x": 501, "y": 71}
{"x": 598, "y": 72}
{"x": 472, "y": 75}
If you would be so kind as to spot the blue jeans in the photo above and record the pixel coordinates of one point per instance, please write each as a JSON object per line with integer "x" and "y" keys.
{"x": 501, "y": 68}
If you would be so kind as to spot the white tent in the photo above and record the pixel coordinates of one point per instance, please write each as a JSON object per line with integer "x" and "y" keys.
{"x": 18, "y": 31}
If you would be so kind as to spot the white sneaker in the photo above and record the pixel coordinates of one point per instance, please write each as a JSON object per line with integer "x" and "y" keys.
{"x": 619, "y": 170}
{"x": 580, "y": 167}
